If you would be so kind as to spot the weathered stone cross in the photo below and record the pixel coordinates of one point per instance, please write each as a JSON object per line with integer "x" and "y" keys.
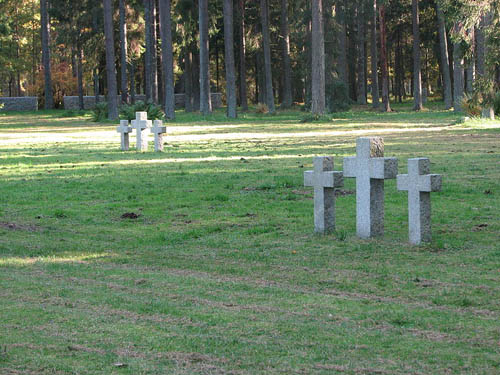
{"x": 370, "y": 169}
{"x": 125, "y": 130}
{"x": 158, "y": 130}
{"x": 324, "y": 180}
{"x": 419, "y": 184}
{"x": 140, "y": 124}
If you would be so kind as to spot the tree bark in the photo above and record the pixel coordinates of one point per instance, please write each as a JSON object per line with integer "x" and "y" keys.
{"x": 374, "y": 59}
{"x": 417, "y": 69}
{"x": 266, "y": 45}
{"x": 45, "y": 31}
{"x": 361, "y": 92}
{"x": 342, "y": 39}
{"x": 243, "y": 67}
{"x": 229, "y": 59}
{"x": 458, "y": 77}
{"x": 110, "y": 61}
{"x": 188, "y": 81}
{"x": 205, "y": 102}
{"x": 471, "y": 64}
{"x": 285, "y": 46}
{"x": 445, "y": 61}
{"x": 383, "y": 60}
{"x": 80, "y": 78}
{"x": 318, "y": 59}
{"x": 481, "y": 45}
{"x": 123, "y": 52}
{"x": 154, "y": 57}
{"x": 168, "y": 57}
{"x": 148, "y": 57}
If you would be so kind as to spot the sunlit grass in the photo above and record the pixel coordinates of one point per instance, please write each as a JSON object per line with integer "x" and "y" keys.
{"x": 202, "y": 259}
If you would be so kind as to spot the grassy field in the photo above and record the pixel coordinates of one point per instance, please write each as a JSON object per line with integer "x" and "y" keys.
{"x": 203, "y": 260}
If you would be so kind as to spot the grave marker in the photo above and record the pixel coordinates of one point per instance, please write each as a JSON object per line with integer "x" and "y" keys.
{"x": 324, "y": 180}
{"x": 140, "y": 124}
{"x": 419, "y": 184}
{"x": 124, "y": 129}
{"x": 370, "y": 169}
{"x": 158, "y": 130}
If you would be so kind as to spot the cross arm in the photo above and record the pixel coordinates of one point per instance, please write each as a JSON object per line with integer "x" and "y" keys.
{"x": 430, "y": 182}
{"x": 383, "y": 168}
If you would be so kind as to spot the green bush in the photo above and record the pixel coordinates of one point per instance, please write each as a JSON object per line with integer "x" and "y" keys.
{"x": 337, "y": 97}
{"x": 155, "y": 112}
{"x": 100, "y": 112}
{"x": 470, "y": 105}
{"x": 496, "y": 103}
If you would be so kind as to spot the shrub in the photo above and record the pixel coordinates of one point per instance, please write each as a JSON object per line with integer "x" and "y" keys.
{"x": 262, "y": 108}
{"x": 337, "y": 97}
{"x": 155, "y": 112}
{"x": 100, "y": 112}
{"x": 496, "y": 103}
{"x": 470, "y": 105}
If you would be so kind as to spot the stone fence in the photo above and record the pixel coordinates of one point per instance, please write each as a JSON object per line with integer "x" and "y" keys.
{"x": 22, "y": 103}
{"x": 72, "y": 102}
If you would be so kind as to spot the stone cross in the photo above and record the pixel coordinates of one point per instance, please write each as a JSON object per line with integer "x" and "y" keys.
{"x": 370, "y": 169}
{"x": 419, "y": 184}
{"x": 324, "y": 180}
{"x": 158, "y": 130}
{"x": 140, "y": 124}
{"x": 125, "y": 130}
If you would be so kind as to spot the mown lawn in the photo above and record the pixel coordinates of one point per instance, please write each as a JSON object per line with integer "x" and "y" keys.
{"x": 203, "y": 260}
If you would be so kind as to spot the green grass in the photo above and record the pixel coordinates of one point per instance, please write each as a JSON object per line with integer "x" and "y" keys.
{"x": 221, "y": 273}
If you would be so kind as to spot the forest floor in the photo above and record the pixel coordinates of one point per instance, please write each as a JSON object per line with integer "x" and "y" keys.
{"x": 203, "y": 260}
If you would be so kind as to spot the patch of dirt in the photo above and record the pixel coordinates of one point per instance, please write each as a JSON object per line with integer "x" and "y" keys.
{"x": 130, "y": 215}
{"x": 351, "y": 370}
{"x": 24, "y": 227}
{"x": 479, "y": 227}
{"x": 342, "y": 193}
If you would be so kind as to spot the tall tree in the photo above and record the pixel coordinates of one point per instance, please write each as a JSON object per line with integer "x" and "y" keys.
{"x": 123, "y": 52}
{"x": 361, "y": 92}
{"x": 318, "y": 59}
{"x": 205, "y": 100}
{"x": 417, "y": 70}
{"x": 374, "y": 57}
{"x": 383, "y": 59}
{"x": 148, "y": 63}
{"x": 154, "y": 53}
{"x": 229, "y": 59}
{"x": 45, "y": 30}
{"x": 168, "y": 57}
{"x": 110, "y": 61}
{"x": 458, "y": 76}
{"x": 445, "y": 60}
{"x": 342, "y": 41}
{"x": 285, "y": 49}
{"x": 243, "y": 66}
{"x": 266, "y": 46}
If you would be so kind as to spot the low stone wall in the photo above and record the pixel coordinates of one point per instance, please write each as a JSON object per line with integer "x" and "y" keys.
{"x": 24, "y": 103}
{"x": 72, "y": 102}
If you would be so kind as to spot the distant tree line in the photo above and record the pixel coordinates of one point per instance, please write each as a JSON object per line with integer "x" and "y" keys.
{"x": 276, "y": 52}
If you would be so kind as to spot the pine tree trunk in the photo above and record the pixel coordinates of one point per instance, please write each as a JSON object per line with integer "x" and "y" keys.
{"x": 80, "y": 78}
{"x": 154, "y": 57}
{"x": 383, "y": 60}
{"x": 148, "y": 57}
{"x": 445, "y": 62}
{"x": 243, "y": 67}
{"x": 285, "y": 46}
{"x": 45, "y": 31}
{"x": 188, "y": 81}
{"x": 471, "y": 64}
{"x": 242, "y": 60}
{"x": 374, "y": 58}
{"x": 266, "y": 45}
{"x": 318, "y": 59}
{"x": 481, "y": 44}
{"x": 342, "y": 39}
{"x": 123, "y": 52}
{"x": 205, "y": 102}
{"x": 229, "y": 59}
{"x": 161, "y": 73}
{"x": 361, "y": 92}
{"x": 458, "y": 77}
{"x": 417, "y": 70}
{"x": 168, "y": 57}
{"x": 110, "y": 61}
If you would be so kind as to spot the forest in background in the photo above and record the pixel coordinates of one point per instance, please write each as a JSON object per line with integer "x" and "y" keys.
{"x": 319, "y": 52}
